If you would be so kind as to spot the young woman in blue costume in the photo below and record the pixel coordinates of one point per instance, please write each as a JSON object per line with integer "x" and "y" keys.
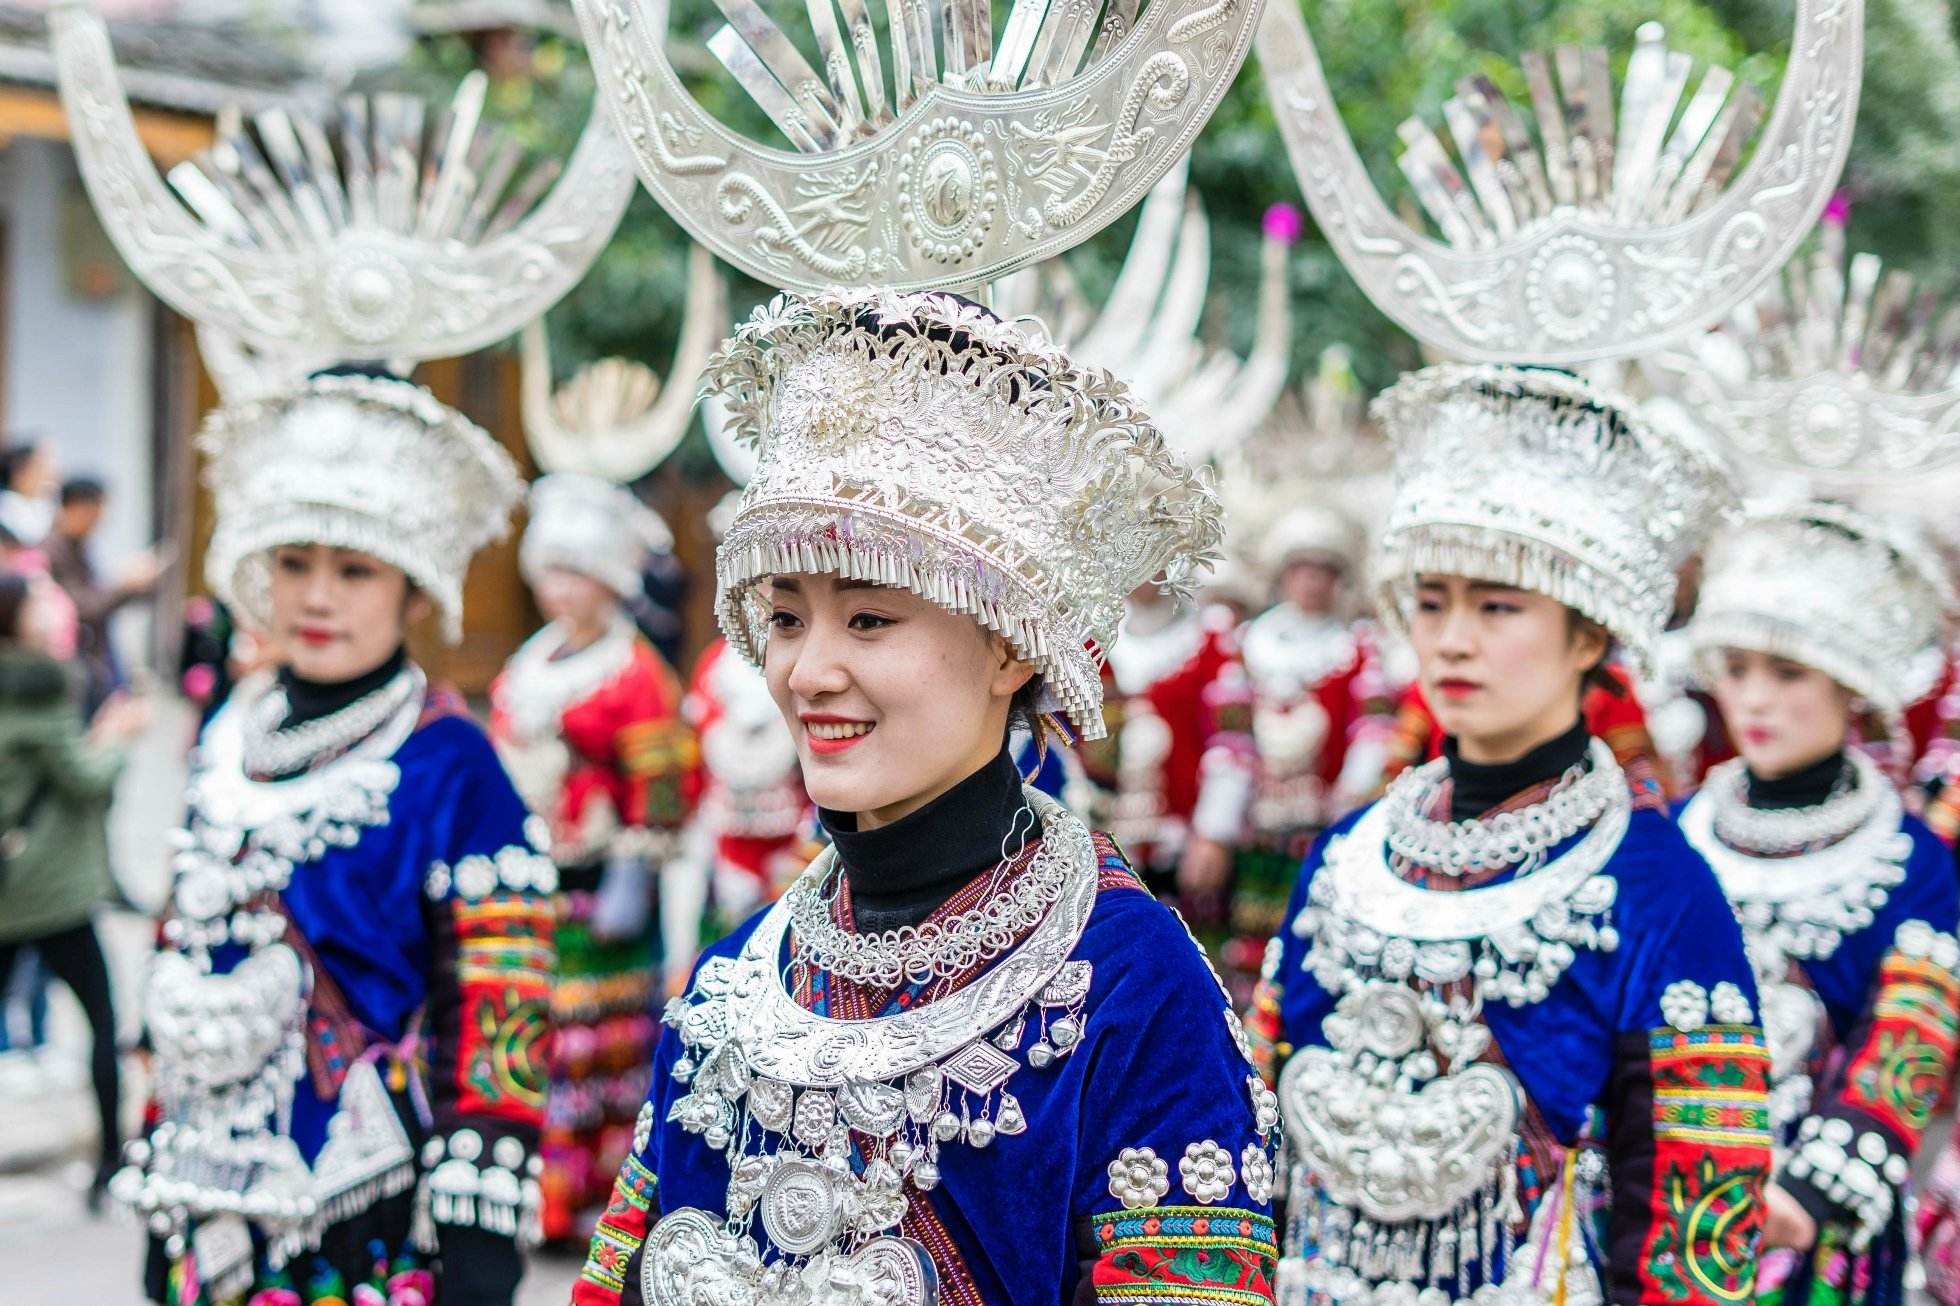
{"x": 965, "y": 1060}
{"x": 1811, "y": 615}
{"x": 1510, "y": 1021}
{"x": 350, "y": 1010}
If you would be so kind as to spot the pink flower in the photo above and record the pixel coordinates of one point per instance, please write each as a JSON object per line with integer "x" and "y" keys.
{"x": 1284, "y": 223}
{"x": 366, "y": 1294}
{"x": 274, "y": 1297}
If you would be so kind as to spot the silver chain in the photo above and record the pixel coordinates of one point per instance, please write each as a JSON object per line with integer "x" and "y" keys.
{"x": 1780, "y": 831}
{"x": 271, "y": 751}
{"x": 937, "y": 949}
{"x": 1504, "y": 839}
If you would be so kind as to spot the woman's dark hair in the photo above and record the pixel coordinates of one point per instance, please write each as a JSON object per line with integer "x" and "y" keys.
{"x": 13, "y": 603}
{"x": 1596, "y": 676}
{"x": 15, "y": 456}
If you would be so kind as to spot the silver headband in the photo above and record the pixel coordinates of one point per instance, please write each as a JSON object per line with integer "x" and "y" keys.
{"x": 1535, "y": 479}
{"x": 1855, "y": 597}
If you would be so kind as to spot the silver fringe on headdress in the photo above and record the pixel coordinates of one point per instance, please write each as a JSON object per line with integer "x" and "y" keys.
{"x": 918, "y": 441}
{"x": 1823, "y": 584}
{"x": 1535, "y": 479}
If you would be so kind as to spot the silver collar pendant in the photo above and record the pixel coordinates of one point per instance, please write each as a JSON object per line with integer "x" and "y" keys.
{"x": 1404, "y": 1172}
{"x": 1799, "y": 881}
{"x": 795, "y": 1101}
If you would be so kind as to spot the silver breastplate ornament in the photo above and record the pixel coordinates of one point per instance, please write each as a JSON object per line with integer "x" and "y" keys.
{"x": 1799, "y": 880}
{"x": 230, "y": 1046}
{"x": 792, "y": 1099}
{"x": 1403, "y": 1140}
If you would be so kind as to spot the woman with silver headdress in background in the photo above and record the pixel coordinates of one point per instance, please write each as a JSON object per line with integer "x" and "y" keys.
{"x": 1510, "y": 1020}
{"x": 351, "y": 1008}
{"x": 1808, "y": 613}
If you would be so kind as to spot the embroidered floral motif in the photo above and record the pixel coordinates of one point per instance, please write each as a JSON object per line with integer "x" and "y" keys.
{"x": 1257, "y": 1171}
{"x": 1186, "y": 1253}
{"x": 504, "y": 962}
{"x": 1729, "y": 1005}
{"x": 618, "y": 1236}
{"x": 1695, "y": 1254}
{"x": 1711, "y": 1156}
{"x": 1138, "y": 1177}
{"x": 1206, "y": 1170}
{"x": 1902, "y": 1068}
{"x": 1685, "y": 1005}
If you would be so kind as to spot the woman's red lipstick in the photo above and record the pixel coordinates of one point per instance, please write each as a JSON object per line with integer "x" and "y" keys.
{"x": 837, "y": 738}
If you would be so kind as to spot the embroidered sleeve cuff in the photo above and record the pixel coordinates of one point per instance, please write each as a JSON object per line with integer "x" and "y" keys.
{"x": 1215, "y": 1253}
{"x": 489, "y": 1183}
{"x": 1854, "y": 1175}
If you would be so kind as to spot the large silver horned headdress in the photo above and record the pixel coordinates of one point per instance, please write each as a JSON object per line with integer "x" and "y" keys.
{"x": 376, "y": 235}
{"x": 983, "y": 152}
{"x": 1836, "y": 371}
{"x": 1204, "y": 399}
{"x": 611, "y": 424}
{"x": 1602, "y": 232}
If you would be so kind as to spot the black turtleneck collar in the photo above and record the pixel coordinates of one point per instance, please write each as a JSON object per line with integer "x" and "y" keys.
{"x": 901, "y": 873}
{"x": 309, "y": 700}
{"x": 1802, "y": 788}
{"x": 1476, "y": 787}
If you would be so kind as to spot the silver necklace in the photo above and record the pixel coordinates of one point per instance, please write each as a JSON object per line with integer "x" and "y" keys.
{"x": 273, "y": 751}
{"x": 938, "y": 949}
{"x": 1457, "y": 848}
{"x": 1775, "y": 832}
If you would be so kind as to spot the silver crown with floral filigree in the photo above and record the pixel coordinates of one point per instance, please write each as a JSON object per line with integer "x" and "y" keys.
{"x": 919, "y": 441}
{"x": 365, "y": 463}
{"x": 1837, "y": 370}
{"x": 594, "y": 527}
{"x": 383, "y": 231}
{"x": 1536, "y": 479}
{"x": 1855, "y": 597}
{"x": 982, "y": 151}
{"x": 1580, "y": 228}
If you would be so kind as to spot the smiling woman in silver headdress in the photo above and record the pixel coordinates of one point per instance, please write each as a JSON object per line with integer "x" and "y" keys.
{"x": 350, "y": 1009}
{"x": 966, "y": 1059}
{"x": 1510, "y": 996}
{"x": 1809, "y": 613}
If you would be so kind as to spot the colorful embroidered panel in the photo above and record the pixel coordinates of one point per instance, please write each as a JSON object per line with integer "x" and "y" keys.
{"x": 1901, "y": 1069}
{"x": 1711, "y": 1157}
{"x": 618, "y": 1236}
{"x": 504, "y": 961}
{"x": 1185, "y": 1254}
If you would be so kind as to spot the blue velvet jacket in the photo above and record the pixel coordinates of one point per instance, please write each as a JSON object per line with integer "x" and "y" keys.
{"x": 420, "y": 915}
{"x": 1874, "y": 1048}
{"x": 1648, "y": 1054}
{"x": 1101, "y": 1197}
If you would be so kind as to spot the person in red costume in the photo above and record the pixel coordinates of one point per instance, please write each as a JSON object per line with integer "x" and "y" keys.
{"x": 1146, "y": 778}
{"x": 1310, "y": 685}
{"x": 586, "y": 716}
{"x": 749, "y": 835}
